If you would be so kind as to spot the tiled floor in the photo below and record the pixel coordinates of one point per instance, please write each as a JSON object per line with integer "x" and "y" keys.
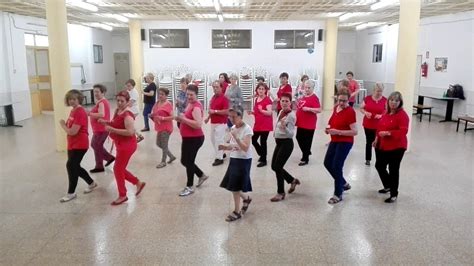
{"x": 432, "y": 222}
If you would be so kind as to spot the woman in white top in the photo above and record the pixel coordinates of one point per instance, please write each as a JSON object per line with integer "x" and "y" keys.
{"x": 133, "y": 102}
{"x": 237, "y": 177}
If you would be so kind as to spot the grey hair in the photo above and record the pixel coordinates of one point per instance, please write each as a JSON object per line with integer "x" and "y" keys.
{"x": 310, "y": 83}
{"x": 234, "y": 76}
{"x": 216, "y": 81}
{"x": 379, "y": 85}
{"x": 151, "y": 76}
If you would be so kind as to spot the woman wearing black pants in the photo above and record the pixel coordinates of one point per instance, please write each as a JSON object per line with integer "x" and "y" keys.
{"x": 193, "y": 138}
{"x": 76, "y": 128}
{"x": 373, "y": 107}
{"x": 390, "y": 145}
{"x": 263, "y": 114}
{"x": 284, "y": 132}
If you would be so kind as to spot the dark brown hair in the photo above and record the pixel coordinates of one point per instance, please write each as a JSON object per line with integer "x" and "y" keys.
{"x": 284, "y": 74}
{"x": 73, "y": 94}
{"x": 304, "y": 77}
{"x": 164, "y": 90}
{"x": 395, "y": 94}
{"x": 184, "y": 80}
{"x": 343, "y": 91}
{"x": 101, "y": 87}
{"x": 192, "y": 87}
{"x": 226, "y": 78}
{"x": 350, "y": 73}
{"x": 286, "y": 95}
{"x": 131, "y": 81}
{"x": 123, "y": 93}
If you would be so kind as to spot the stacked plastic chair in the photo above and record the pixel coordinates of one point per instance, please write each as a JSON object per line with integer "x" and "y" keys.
{"x": 200, "y": 79}
{"x": 165, "y": 80}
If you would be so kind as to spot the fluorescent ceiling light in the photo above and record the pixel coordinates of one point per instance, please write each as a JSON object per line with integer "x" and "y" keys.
{"x": 83, "y": 5}
{"x": 352, "y": 24}
{"x": 114, "y": 16}
{"x": 233, "y": 15}
{"x": 130, "y": 15}
{"x": 308, "y": 34}
{"x": 280, "y": 43}
{"x": 161, "y": 36}
{"x": 101, "y": 3}
{"x": 225, "y": 37}
{"x": 212, "y": 15}
{"x": 309, "y": 43}
{"x": 100, "y": 25}
{"x": 211, "y": 3}
{"x": 217, "y": 6}
{"x": 353, "y": 14}
{"x": 116, "y": 25}
{"x": 156, "y": 45}
{"x": 368, "y": 25}
{"x": 233, "y": 3}
{"x": 220, "y": 17}
{"x": 332, "y": 14}
{"x": 384, "y": 3}
{"x": 358, "y": 2}
{"x": 197, "y": 3}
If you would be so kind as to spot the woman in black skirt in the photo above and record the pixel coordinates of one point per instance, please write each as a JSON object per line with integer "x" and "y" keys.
{"x": 237, "y": 177}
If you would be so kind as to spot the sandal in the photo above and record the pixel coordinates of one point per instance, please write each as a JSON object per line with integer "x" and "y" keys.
{"x": 334, "y": 199}
{"x": 246, "y": 204}
{"x": 118, "y": 202}
{"x": 293, "y": 185}
{"x": 234, "y": 216}
{"x": 140, "y": 188}
{"x": 278, "y": 197}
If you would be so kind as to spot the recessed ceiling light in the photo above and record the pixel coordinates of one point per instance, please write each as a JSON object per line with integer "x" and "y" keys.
{"x": 384, "y": 3}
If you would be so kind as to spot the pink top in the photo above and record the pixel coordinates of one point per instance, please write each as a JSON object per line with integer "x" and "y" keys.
{"x": 263, "y": 123}
{"x": 353, "y": 86}
{"x": 165, "y": 110}
{"x": 96, "y": 126}
{"x": 187, "y": 131}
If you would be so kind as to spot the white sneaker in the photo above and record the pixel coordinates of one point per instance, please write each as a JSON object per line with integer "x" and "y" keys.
{"x": 201, "y": 180}
{"x": 90, "y": 188}
{"x": 186, "y": 192}
{"x": 68, "y": 197}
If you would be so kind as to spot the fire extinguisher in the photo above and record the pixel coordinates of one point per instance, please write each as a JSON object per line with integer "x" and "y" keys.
{"x": 424, "y": 69}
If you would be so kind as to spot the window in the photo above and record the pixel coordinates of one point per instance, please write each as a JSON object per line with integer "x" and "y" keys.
{"x": 29, "y": 39}
{"x": 98, "y": 54}
{"x": 36, "y": 40}
{"x": 231, "y": 39}
{"x": 294, "y": 39}
{"x": 377, "y": 53}
{"x": 169, "y": 38}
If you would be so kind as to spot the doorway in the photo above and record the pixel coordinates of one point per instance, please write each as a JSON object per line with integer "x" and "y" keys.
{"x": 419, "y": 58}
{"x": 122, "y": 70}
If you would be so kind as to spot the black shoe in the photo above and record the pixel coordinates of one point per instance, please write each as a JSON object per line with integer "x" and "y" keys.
{"x": 217, "y": 162}
{"x": 303, "y": 163}
{"x": 261, "y": 164}
{"x": 96, "y": 170}
{"x": 384, "y": 190}
{"x": 145, "y": 130}
{"x": 225, "y": 155}
{"x": 109, "y": 162}
{"x": 367, "y": 162}
{"x": 391, "y": 200}
{"x": 347, "y": 186}
{"x": 261, "y": 160}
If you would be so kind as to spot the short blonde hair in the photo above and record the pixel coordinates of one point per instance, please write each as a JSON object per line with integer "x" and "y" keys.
{"x": 73, "y": 94}
{"x": 151, "y": 76}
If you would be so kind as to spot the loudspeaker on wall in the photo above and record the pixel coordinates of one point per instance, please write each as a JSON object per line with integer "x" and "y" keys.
{"x": 320, "y": 35}
{"x": 142, "y": 32}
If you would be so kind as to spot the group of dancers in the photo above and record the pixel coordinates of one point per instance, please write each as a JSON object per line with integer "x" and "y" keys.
{"x": 385, "y": 124}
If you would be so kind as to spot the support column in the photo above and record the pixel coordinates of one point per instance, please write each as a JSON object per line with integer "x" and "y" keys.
{"x": 59, "y": 63}
{"x": 136, "y": 55}
{"x": 405, "y": 73}
{"x": 330, "y": 53}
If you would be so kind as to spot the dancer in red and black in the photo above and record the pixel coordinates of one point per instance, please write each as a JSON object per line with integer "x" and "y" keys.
{"x": 100, "y": 110}
{"x": 307, "y": 111}
{"x": 342, "y": 127}
{"x": 373, "y": 107}
{"x": 122, "y": 131}
{"x": 262, "y": 111}
{"x": 76, "y": 128}
{"x": 284, "y": 132}
{"x": 284, "y": 88}
{"x": 390, "y": 144}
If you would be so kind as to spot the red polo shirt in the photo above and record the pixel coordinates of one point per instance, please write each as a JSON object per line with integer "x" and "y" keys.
{"x": 219, "y": 102}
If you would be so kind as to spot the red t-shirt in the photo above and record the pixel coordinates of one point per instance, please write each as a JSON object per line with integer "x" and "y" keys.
{"x": 219, "y": 102}
{"x": 353, "y": 86}
{"x": 80, "y": 141}
{"x": 307, "y": 120}
{"x": 286, "y": 88}
{"x": 224, "y": 86}
{"x": 342, "y": 121}
{"x": 397, "y": 124}
{"x": 165, "y": 110}
{"x": 96, "y": 126}
{"x": 187, "y": 131}
{"x": 122, "y": 142}
{"x": 263, "y": 123}
{"x": 374, "y": 107}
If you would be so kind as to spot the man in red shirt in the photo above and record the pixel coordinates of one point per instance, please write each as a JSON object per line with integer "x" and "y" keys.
{"x": 218, "y": 111}
{"x": 353, "y": 87}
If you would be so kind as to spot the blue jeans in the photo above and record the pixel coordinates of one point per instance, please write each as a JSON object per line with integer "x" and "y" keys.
{"x": 146, "y": 111}
{"x": 334, "y": 162}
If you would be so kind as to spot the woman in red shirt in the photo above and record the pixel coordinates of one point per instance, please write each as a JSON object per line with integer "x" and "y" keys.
{"x": 193, "y": 138}
{"x": 390, "y": 144}
{"x": 373, "y": 107}
{"x": 262, "y": 110}
{"x": 307, "y": 110}
{"x": 100, "y": 110}
{"x": 284, "y": 88}
{"x": 353, "y": 87}
{"x": 342, "y": 127}
{"x": 76, "y": 128}
{"x": 225, "y": 81}
{"x": 162, "y": 115}
{"x": 122, "y": 131}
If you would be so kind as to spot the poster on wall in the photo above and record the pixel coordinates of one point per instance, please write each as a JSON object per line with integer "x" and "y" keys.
{"x": 441, "y": 64}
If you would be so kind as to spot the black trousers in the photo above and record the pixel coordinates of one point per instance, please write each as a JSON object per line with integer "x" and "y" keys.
{"x": 260, "y": 148}
{"x": 305, "y": 140}
{"x": 392, "y": 159}
{"x": 369, "y": 139}
{"x": 74, "y": 169}
{"x": 189, "y": 149}
{"x": 282, "y": 153}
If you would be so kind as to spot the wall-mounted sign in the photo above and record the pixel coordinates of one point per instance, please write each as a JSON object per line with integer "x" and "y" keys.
{"x": 441, "y": 64}
{"x": 427, "y": 55}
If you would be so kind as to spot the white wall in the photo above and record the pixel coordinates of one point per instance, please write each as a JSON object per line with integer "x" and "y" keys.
{"x": 201, "y": 57}
{"x": 346, "y": 52}
{"x": 14, "y": 82}
{"x": 443, "y": 36}
{"x": 120, "y": 42}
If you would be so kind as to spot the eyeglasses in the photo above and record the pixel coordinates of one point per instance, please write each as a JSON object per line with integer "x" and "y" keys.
{"x": 342, "y": 101}
{"x": 284, "y": 101}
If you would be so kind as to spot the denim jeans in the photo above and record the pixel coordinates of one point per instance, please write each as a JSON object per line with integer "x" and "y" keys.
{"x": 334, "y": 162}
